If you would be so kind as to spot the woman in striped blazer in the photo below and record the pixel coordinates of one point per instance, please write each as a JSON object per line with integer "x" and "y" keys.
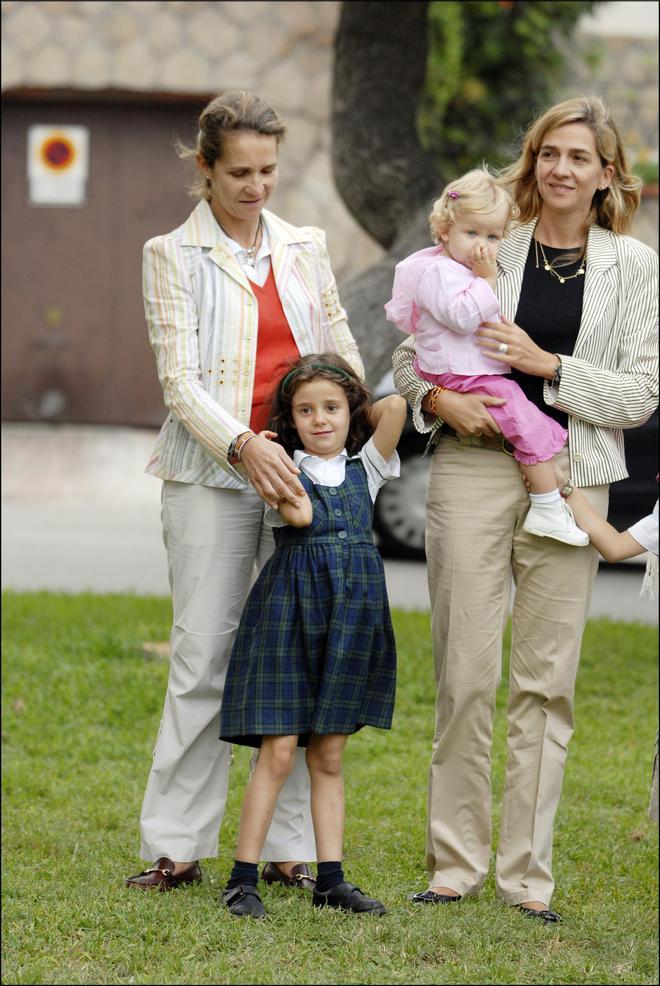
{"x": 232, "y": 297}
{"x": 579, "y": 329}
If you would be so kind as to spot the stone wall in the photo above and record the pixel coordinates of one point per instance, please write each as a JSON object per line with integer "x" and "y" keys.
{"x": 624, "y": 72}
{"x": 281, "y": 50}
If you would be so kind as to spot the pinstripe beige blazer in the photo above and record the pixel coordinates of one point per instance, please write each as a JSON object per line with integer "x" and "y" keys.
{"x": 610, "y": 380}
{"x": 203, "y": 320}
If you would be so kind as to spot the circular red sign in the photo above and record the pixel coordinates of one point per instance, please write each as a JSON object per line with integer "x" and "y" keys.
{"x": 57, "y": 153}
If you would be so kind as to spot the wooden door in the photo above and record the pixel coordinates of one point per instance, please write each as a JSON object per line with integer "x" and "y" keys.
{"x": 75, "y": 345}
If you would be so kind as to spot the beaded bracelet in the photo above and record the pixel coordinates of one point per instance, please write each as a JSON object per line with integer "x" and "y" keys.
{"x": 433, "y": 399}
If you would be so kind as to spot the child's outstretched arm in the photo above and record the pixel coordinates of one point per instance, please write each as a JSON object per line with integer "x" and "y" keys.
{"x": 388, "y": 417}
{"x": 612, "y": 544}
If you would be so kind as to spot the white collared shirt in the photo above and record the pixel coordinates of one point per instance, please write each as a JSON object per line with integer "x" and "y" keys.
{"x": 259, "y": 273}
{"x": 331, "y": 472}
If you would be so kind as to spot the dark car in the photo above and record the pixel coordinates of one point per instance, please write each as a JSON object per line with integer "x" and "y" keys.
{"x": 400, "y": 511}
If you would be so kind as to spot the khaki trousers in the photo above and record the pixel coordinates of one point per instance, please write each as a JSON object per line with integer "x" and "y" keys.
{"x": 475, "y": 544}
{"x": 216, "y": 542}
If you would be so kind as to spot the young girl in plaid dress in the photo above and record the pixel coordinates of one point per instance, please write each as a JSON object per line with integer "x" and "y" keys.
{"x": 314, "y": 658}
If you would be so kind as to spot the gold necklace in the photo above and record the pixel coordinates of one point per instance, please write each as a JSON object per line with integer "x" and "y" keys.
{"x": 548, "y": 266}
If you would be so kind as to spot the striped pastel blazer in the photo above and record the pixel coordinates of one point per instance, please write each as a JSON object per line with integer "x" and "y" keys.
{"x": 203, "y": 321}
{"x": 610, "y": 380}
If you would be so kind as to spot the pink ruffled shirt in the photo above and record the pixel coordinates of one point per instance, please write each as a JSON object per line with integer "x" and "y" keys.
{"x": 443, "y": 304}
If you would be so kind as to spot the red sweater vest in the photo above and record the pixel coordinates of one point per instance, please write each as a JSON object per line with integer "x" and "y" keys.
{"x": 276, "y": 349}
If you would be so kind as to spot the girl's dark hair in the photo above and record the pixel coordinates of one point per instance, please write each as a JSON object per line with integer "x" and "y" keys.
{"x": 325, "y": 366}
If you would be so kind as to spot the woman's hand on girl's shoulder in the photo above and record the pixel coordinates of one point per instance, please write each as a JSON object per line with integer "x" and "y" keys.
{"x": 272, "y": 473}
{"x": 388, "y": 416}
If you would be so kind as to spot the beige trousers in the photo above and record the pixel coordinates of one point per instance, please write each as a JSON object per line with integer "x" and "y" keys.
{"x": 475, "y": 544}
{"x": 216, "y": 541}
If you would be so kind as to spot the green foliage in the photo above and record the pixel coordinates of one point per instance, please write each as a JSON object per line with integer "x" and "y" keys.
{"x": 647, "y": 171}
{"x": 491, "y": 67}
{"x": 81, "y": 704}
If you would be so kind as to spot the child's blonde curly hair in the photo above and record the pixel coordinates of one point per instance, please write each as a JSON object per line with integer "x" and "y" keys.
{"x": 476, "y": 191}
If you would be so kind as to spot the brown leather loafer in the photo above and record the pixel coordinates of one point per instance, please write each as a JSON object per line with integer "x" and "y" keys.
{"x": 161, "y": 876}
{"x": 301, "y": 876}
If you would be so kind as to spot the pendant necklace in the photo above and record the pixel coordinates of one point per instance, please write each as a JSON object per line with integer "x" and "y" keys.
{"x": 249, "y": 253}
{"x": 547, "y": 265}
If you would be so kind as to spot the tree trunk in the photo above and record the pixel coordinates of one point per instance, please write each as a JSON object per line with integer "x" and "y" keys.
{"x": 384, "y": 176}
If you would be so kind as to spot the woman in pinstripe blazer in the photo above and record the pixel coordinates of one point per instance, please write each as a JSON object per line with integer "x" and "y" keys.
{"x": 231, "y": 298}
{"x": 579, "y": 329}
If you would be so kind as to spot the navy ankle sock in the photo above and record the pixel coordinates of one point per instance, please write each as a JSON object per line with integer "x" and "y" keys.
{"x": 328, "y": 875}
{"x": 243, "y": 873}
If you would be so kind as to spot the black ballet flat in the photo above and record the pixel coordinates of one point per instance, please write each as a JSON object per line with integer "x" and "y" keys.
{"x": 430, "y": 897}
{"x": 547, "y": 916}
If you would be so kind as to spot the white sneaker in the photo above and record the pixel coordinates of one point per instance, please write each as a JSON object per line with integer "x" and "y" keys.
{"x": 555, "y": 521}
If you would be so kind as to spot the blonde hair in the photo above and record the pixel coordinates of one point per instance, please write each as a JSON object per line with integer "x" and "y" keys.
{"x": 613, "y": 207}
{"x": 225, "y": 115}
{"x": 476, "y": 192}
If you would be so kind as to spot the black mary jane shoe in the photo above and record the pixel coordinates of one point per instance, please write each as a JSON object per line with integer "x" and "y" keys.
{"x": 244, "y": 901}
{"x": 547, "y": 916}
{"x": 348, "y": 897}
{"x": 430, "y": 897}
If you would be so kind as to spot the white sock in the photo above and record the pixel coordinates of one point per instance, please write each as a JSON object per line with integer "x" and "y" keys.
{"x": 545, "y": 499}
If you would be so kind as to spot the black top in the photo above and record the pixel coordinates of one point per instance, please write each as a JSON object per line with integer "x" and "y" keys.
{"x": 550, "y": 313}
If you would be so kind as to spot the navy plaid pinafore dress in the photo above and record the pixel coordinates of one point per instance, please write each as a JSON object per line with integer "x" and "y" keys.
{"x": 315, "y": 648}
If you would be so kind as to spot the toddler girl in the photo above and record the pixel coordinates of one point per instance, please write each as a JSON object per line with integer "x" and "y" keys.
{"x": 314, "y": 658}
{"x": 442, "y": 294}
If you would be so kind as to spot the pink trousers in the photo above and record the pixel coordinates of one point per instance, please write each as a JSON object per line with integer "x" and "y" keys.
{"x": 535, "y": 437}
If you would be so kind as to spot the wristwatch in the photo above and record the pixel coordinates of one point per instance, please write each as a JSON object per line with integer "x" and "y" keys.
{"x": 566, "y": 490}
{"x": 556, "y": 376}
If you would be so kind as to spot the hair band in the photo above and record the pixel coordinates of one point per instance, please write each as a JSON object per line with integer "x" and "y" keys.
{"x": 453, "y": 194}
{"x": 315, "y": 366}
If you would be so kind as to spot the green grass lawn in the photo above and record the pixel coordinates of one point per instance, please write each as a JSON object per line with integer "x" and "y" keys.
{"x": 81, "y": 709}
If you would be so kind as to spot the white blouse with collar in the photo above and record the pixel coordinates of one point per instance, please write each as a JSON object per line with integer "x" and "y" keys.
{"x": 259, "y": 273}
{"x": 331, "y": 472}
